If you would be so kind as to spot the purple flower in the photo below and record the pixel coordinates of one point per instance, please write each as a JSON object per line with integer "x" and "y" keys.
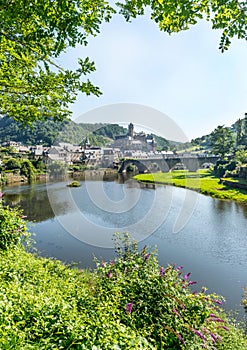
{"x": 176, "y": 312}
{"x": 162, "y": 271}
{"x": 24, "y": 217}
{"x": 103, "y": 264}
{"x": 128, "y": 307}
{"x": 179, "y": 268}
{"x": 147, "y": 256}
{"x": 187, "y": 275}
{"x": 219, "y": 302}
{"x": 225, "y": 328}
{"x": 217, "y": 319}
{"x": 214, "y": 337}
{"x": 181, "y": 339}
{"x": 112, "y": 262}
{"x": 198, "y": 333}
{"x": 1, "y": 195}
{"x": 192, "y": 282}
{"x": 109, "y": 274}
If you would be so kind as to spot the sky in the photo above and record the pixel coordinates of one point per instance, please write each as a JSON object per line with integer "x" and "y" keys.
{"x": 182, "y": 79}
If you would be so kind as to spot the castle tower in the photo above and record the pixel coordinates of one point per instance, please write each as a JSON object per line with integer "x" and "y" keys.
{"x": 131, "y": 130}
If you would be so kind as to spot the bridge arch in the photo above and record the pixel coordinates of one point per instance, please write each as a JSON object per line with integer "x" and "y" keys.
{"x": 142, "y": 168}
{"x": 178, "y": 166}
{"x": 165, "y": 164}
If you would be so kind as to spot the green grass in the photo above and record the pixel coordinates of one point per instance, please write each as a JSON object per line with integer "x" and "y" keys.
{"x": 202, "y": 181}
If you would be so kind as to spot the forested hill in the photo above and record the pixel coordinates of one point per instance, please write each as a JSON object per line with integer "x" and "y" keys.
{"x": 50, "y": 132}
{"x": 237, "y": 131}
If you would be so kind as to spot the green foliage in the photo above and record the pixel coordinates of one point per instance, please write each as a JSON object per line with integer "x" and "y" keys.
{"x": 33, "y": 85}
{"x": 12, "y": 227}
{"x": 41, "y": 132}
{"x": 222, "y": 141}
{"x": 241, "y": 156}
{"x": 174, "y": 16}
{"x": 162, "y": 143}
{"x": 27, "y": 168}
{"x": 74, "y": 184}
{"x": 39, "y": 165}
{"x": 12, "y": 164}
{"x": 111, "y": 130}
{"x": 129, "y": 303}
{"x": 222, "y": 166}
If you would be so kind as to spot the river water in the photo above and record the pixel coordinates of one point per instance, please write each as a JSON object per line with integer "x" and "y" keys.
{"x": 208, "y": 237}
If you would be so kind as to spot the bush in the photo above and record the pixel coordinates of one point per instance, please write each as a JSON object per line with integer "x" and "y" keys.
{"x": 222, "y": 167}
{"x": 157, "y": 302}
{"x": 12, "y": 227}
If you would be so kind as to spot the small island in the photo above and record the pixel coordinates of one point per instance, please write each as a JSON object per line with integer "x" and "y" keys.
{"x": 74, "y": 184}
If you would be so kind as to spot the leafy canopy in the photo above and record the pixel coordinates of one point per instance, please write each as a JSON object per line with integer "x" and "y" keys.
{"x": 34, "y": 33}
{"x": 222, "y": 141}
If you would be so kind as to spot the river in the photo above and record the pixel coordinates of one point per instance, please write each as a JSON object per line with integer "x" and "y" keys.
{"x": 208, "y": 237}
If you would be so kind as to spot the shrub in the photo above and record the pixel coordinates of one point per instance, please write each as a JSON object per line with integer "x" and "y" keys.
{"x": 12, "y": 227}
{"x": 157, "y": 302}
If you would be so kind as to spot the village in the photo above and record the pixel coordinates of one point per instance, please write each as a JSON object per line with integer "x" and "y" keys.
{"x": 129, "y": 145}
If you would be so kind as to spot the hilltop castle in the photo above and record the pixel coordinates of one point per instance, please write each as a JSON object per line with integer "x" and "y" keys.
{"x": 135, "y": 141}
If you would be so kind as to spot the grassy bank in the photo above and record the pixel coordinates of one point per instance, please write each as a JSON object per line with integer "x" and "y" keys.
{"x": 129, "y": 303}
{"x": 202, "y": 181}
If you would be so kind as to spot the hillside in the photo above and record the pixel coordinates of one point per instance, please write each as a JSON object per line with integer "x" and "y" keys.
{"x": 50, "y": 132}
{"x": 238, "y": 131}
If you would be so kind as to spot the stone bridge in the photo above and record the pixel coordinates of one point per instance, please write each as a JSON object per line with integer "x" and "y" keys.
{"x": 165, "y": 164}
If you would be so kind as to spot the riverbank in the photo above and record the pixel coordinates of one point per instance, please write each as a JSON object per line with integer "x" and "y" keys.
{"x": 15, "y": 179}
{"x": 201, "y": 181}
{"x": 119, "y": 305}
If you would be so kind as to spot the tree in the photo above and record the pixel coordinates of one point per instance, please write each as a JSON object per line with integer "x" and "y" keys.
{"x": 222, "y": 141}
{"x": 34, "y": 33}
{"x": 241, "y": 156}
{"x": 239, "y": 132}
{"x": 27, "y": 169}
{"x": 175, "y": 15}
{"x": 12, "y": 164}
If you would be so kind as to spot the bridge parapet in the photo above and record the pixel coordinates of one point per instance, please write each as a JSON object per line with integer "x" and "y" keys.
{"x": 166, "y": 163}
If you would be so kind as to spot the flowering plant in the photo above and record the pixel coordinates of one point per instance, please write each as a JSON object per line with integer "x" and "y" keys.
{"x": 157, "y": 302}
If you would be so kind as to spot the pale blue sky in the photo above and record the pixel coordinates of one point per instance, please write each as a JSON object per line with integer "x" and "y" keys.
{"x": 184, "y": 76}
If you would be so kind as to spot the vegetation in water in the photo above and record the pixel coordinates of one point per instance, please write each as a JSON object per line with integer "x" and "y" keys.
{"x": 74, "y": 184}
{"x": 202, "y": 181}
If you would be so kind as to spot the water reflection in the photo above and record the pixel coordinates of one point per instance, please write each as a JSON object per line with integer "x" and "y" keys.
{"x": 212, "y": 244}
{"x": 33, "y": 200}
